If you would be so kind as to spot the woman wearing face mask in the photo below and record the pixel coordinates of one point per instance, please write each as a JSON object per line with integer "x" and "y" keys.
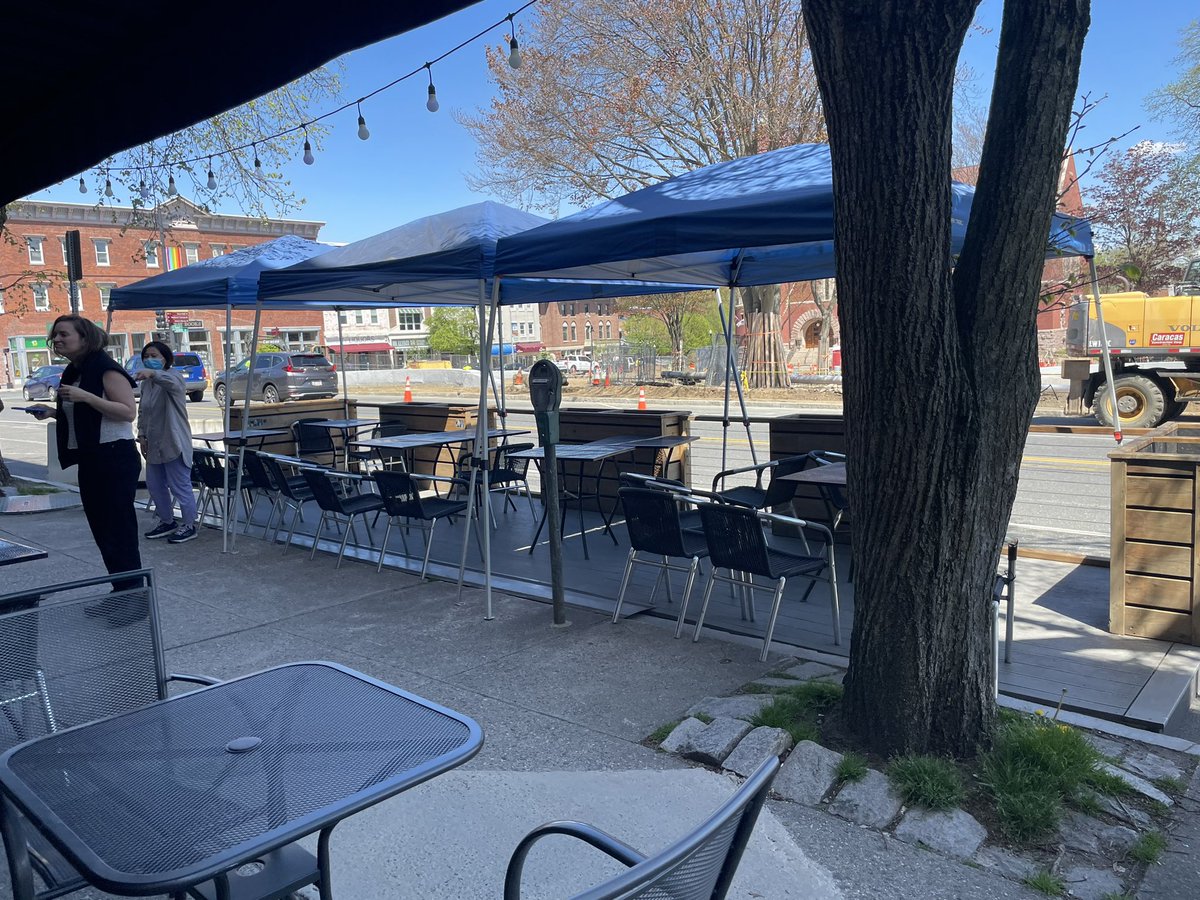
{"x": 95, "y": 412}
{"x": 165, "y": 439}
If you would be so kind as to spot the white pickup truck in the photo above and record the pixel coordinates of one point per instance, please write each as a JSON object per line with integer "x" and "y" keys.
{"x": 573, "y": 365}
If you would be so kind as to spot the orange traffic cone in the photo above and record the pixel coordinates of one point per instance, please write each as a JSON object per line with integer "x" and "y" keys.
{"x": 408, "y": 389}
{"x": 641, "y": 398}
{"x": 518, "y": 379}
{"x": 606, "y": 381}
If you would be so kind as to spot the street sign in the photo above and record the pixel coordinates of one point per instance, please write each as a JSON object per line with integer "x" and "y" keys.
{"x": 194, "y": 323}
{"x": 177, "y": 318}
{"x": 179, "y": 328}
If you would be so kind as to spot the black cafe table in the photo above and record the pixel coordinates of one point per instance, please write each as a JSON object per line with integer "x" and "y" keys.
{"x": 12, "y": 552}
{"x": 186, "y": 790}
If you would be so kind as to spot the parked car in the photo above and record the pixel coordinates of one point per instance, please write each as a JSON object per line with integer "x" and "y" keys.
{"x": 43, "y": 383}
{"x": 280, "y": 376}
{"x": 195, "y": 375}
{"x": 574, "y": 364}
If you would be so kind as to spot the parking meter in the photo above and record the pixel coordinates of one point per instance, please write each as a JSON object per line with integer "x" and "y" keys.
{"x": 545, "y": 393}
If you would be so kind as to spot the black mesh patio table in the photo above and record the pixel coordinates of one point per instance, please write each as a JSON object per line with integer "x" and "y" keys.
{"x": 11, "y": 552}
{"x": 179, "y": 792}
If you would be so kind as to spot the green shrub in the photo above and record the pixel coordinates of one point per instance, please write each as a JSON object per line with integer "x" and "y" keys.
{"x": 853, "y": 767}
{"x": 1047, "y": 883}
{"x": 792, "y": 715}
{"x": 1149, "y": 847}
{"x": 927, "y": 781}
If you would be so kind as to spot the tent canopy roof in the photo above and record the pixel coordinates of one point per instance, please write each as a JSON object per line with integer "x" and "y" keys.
{"x": 229, "y": 280}
{"x": 763, "y": 219}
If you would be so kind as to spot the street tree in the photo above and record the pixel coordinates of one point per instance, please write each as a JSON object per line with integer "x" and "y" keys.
{"x": 1144, "y": 214}
{"x": 615, "y": 95}
{"x": 453, "y": 329}
{"x": 939, "y": 358}
{"x": 673, "y": 311}
{"x": 1179, "y": 101}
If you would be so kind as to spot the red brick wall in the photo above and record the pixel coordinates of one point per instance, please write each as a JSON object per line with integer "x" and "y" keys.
{"x": 602, "y": 314}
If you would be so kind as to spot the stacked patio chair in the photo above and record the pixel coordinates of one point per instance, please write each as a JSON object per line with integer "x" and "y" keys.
{"x": 72, "y": 653}
{"x": 652, "y": 518}
{"x": 403, "y": 503}
{"x": 737, "y": 543}
{"x": 777, "y": 491}
{"x": 339, "y": 508}
{"x": 699, "y": 866}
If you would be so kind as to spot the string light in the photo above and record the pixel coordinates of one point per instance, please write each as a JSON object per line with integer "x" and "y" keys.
{"x": 171, "y": 189}
{"x": 514, "y": 52}
{"x": 432, "y": 103}
{"x": 309, "y": 159}
{"x": 363, "y": 132}
{"x": 108, "y": 191}
{"x": 82, "y": 186}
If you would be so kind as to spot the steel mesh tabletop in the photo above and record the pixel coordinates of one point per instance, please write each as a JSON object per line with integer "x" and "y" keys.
{"x": 12, "y": 552}
{"x": 220, "y": 774}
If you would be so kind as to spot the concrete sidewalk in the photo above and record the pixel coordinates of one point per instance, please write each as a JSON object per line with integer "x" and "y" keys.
{"x": 563, "y": 712}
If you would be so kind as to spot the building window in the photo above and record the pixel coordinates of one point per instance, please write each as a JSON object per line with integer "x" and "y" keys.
{"x": 218, "y": 250}
{"x": 564, "y": 332}
{"x": 608, "y": 330}
{"x": 151, "y": 254}
{"x": 234, "y": 248}
{"x": 562, "y": 310}
{"x": 572, "y": 309}
{"x": 587, "y": 308}
{"x": 1, "y": 301}
{"x": 36, "y": 257}
{"x": 191, "y": 253}
{"x": 105, "y": 294}
{"x": 409, "y": 320}
{"x": 63, "y": 242}
{"x": 587, "y": 332}
{"x": 41, "y": 297}
{"x": 572, "y": 332}
{"x": 101, "y": 252}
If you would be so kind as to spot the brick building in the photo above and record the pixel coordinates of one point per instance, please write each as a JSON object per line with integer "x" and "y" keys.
{"x": 122, "y": 245}
{"x": 577, "y": 326}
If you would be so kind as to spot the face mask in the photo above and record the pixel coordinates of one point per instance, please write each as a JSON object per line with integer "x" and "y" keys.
{"x": 152, "y": 363}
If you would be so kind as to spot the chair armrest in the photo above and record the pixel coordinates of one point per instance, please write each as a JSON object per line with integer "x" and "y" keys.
{"x": 757, "y": 469}
{"x": 776, "y": 518}
{"x": 594, "y": 836}
{"x": 193, "y": 679}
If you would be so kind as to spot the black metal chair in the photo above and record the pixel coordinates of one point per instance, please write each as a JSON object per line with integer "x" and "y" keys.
{"x": 504, "y": 474}
{"x": 293, "y": 492}
{"x": 382, "y": 430}
{"x": 311, "y": 440}
{"x": 262, "y": 484}
{"x": 62, "y": 664}
{"x": 402, "y": 500}
{"x": 738, "y": 543}
{"x": 700, "y": 866}
{"x": 652, "y": 518}
{"x": 777, "y": 491}
{"x": 335, "y": 507}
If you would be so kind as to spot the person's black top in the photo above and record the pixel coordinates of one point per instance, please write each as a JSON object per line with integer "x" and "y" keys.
{"x": 88, "y": 375}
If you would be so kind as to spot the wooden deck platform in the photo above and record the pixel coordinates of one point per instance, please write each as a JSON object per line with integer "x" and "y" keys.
{"x": 1061, "y": 642}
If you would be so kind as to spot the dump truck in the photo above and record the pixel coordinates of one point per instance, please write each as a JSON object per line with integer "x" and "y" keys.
{"x": 1154, "y": 344}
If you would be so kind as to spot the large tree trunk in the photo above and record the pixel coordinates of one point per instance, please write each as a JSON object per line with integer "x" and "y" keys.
{"x": 766, "y": 363}
{"x": 825, "y": 297}
{"x": 939, "y": 366}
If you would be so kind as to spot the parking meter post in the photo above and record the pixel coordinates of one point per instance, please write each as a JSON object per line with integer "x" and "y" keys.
{"x": 545, "y": 393}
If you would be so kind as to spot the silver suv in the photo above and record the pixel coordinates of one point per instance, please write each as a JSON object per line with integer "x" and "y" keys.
{"x": 279, "y": 376}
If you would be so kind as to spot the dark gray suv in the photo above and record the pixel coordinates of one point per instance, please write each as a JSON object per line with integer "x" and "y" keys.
{"x": 279, "y": 376}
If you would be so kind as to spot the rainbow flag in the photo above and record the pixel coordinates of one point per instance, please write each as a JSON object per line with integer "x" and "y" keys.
{"x": 175, "y": 258}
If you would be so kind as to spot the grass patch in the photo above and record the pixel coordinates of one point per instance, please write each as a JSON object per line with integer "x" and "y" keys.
{"x": 1149, "y": 847}
{"x": 33, "y": 489}
{"x": 817, "y": 696}
{"x": 1047, "y": 883}
{"x": 659, "y": 734}
{"x": 853, "y": 767}
{"x": 703, "y": 717}
{"x": 1168, "y": 784}
{"x": 1034, "y": 768}
{"x": 1087, "y": 802}
{"x": 927, "y": 781}
{"x": 797, "y": 709}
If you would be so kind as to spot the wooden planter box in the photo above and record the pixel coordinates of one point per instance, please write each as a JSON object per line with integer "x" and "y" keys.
{"x": 581, "y": 425}
{"x": 282, "y": 415}
{"x": 1155, "y": 570}
{"x": 429, "y": 418}
{"x": 799, "y": 433}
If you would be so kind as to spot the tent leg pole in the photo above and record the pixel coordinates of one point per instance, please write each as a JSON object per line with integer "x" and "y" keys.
{"x": 345, "y": 375}
{"x": 225, "y": 418}
{"x": 728, "y": 370}
{"x": 245, "y": 425}
{"x": 1105, "y": 354}
{"x": 737, "y": 382}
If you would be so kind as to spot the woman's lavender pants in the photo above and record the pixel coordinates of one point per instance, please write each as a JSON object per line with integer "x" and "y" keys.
{"x": 172, "y": 479}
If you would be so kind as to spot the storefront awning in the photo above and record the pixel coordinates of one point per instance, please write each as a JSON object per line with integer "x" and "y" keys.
{"x": 533, "y": 347}
{"x": 377, "y": 347}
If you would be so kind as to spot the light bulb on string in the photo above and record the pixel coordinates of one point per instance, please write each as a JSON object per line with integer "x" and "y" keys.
{"x": 143, "y": 192}
{"x": 171, "y": 189}
{"x": 309, "y": 159}
{"x": 82, "y": 186}
{"x": 212, "y": 179}
{"x": 257, "y": 162}
{"x": 108, "y": 191}
{"x": 514, "y": 51}
{"x": 432, "y": 103}
{"x": 363, "y": 131}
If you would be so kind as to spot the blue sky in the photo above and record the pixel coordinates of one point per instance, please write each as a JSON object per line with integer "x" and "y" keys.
{"x": 415, "y": 162}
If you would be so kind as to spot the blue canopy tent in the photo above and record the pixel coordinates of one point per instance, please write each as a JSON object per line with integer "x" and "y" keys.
{"x": 223, "y": 281}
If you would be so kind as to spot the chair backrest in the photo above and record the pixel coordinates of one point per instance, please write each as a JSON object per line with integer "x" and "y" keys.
{"x": 400, "y": 494}
{"x": 258, "y": 471}
{"x": 518, "y": 466}
{"x": 779, "y": 490}
{"x": 61, "y": 667}
{"x": 209, "y": 466}
{"x": 389, "y": 429}
{"x": 323, "y": 490}
{"x": 652, "y": 520}
{"x": 310, "y": 439}
{"x": 279, "y": 477}
{"x": 735, "y": 538}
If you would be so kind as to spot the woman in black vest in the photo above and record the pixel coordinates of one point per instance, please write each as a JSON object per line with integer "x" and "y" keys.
{"x": 95, "y": 410}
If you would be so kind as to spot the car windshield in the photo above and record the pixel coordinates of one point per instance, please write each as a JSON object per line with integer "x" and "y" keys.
{"x": 187, "y": 359}
{"x": 309, "y": 361}
{"x": 47, "y": 371}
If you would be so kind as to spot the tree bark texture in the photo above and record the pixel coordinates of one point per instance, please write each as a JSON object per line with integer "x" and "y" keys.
{"x": 766, "y": 363}
{"x": 939, "y": 362}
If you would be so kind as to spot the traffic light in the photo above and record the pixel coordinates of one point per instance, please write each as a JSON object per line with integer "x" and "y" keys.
{"x": 160, "y": 319}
